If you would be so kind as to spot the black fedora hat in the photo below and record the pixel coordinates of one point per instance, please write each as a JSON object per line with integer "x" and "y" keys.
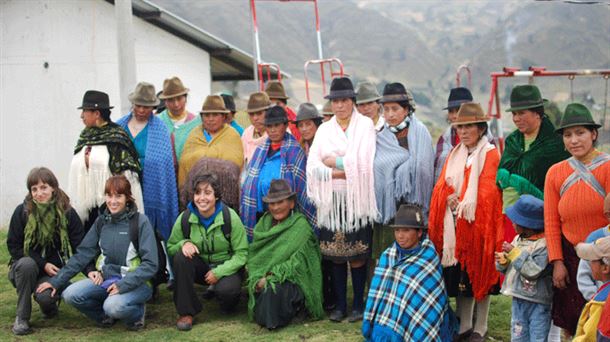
{"x": 394, "y": 92}
{"x": 275, "y": 115}
{"x": 341, "y": 88}
{"x": 409, "y": 216}
{"x": 94, "y": 99}
{"x": 457, "y": 96}
{"x": 229, "y": 102}
{"x": 278, "y": 190}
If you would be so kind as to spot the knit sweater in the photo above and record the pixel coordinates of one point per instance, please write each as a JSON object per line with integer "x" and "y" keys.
{"x": 575, "y": 214}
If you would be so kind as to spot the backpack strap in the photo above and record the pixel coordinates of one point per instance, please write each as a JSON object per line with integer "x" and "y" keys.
{"x": 184, "y": 222}
{"x": 134, "y": 231}
{"x": 227, "y": 226}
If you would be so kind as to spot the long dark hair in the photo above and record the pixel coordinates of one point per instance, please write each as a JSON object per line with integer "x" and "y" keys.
{"x": 43, "y": 174}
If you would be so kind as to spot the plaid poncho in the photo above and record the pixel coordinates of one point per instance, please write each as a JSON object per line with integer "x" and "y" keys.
{"x": 407, "y": 299}
{"x": 293, "y": 170}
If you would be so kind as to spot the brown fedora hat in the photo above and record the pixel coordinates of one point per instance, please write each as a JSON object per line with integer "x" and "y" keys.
{"x": 276, "y": 90}
{"x": 470, "y": 112}
{"x": 258, "y": 102}
{"x": 213, "y": 104}
{"x": 144, "y": 95}
{"x": 278, "y": 190}
{"x": 173, "y": 87}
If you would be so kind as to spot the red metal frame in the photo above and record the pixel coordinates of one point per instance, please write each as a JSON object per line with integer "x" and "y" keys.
{"x": 458, "y": 74}
{"x": 322, "y": 62}
{"x": 268, "y": 67}
{"x": 531, "y": 73}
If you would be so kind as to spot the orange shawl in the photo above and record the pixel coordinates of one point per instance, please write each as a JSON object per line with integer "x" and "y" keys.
{"x": 476, "y": 242}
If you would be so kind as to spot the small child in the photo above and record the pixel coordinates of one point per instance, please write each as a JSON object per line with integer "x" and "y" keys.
{"x": 586, "y": 284}
{"x": 528, "y": 275}
{"x": 598, "y": 254}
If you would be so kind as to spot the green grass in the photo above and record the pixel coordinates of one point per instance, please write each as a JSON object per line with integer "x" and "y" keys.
{"x": 210, "y": 325}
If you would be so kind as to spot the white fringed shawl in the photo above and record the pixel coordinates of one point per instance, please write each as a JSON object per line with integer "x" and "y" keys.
{"x": 86, "y": 185}
{"x": 343, "y": 205}
{"x": 457, "y": 162}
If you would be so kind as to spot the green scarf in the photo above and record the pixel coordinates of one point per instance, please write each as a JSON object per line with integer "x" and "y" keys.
{"x": 291, "y": 252}
{"x": 43, "y": 223}
{"x": 123, "y": 155}
{"x": 525, "y": 170}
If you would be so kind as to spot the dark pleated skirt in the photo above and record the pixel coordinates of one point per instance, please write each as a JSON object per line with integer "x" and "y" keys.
{"x": 343, "y": 247}
{"x": 275, "y": 309}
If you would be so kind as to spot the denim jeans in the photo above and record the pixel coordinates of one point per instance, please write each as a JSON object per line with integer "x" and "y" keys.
{"x": 95, "y": 303}
{"x": 530, "y": 321}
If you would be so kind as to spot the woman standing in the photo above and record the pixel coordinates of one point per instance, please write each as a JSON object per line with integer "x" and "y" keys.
{"x": 280, "y": 157}
{"x": 404, "y": 162}
{"x": 255, "y": 134}
{"x": 119, "y": 289}
{"x": 308, "y": 121}
{"x": 574, "y": 194}
{"x": 178, "y": 121}
{"x": 466, "y": 220}
{"x": 43, "y": 233}
{"x": 214, "y": 139}
{"x": 103, "y": 150}
{"x": 152, "y": 141}
{"x": 284, "y": 263}
{"x": 340, "y": 182}
{"x": 208, "y": 246}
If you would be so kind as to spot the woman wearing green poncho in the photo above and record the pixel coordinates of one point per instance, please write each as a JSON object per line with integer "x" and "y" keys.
{"x": 284, "y": 263}
{"x": 529, "y": 151}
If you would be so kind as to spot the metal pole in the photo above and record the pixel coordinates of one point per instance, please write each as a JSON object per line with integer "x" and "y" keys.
{"x": 257, "y": 55}
{"x": 127, "y": 55}
{"x": 318, "y": 34}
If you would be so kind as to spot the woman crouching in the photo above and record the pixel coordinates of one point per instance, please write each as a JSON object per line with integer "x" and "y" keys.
{"x": 44, "y": 231}
{"x": 119, "y": 289}
{"x": 285, "y": 278}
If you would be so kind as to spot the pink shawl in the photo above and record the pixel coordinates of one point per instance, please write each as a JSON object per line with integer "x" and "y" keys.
{"x": 343, "y": 205}
{"x": 250, "y": 143}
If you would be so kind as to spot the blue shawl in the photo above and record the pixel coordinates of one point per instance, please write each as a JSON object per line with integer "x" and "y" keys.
{"x": 158, "y": 176}
{"x": 407, "y": 299}
{"x": 293, "y": 169}
{"x": 403, "y": 175}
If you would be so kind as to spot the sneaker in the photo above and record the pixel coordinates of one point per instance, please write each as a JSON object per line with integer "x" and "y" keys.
{"x": 355, "y": 316}
{"x": 184, "y": 323}
{"x": 106, "y": 322}
{"x": 21, "y": 327}
{"x": 337, "y": 316}
{"x": 139, "y": 324}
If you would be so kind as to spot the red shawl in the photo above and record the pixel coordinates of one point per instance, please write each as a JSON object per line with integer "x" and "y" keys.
{"x": 476, "y": 242}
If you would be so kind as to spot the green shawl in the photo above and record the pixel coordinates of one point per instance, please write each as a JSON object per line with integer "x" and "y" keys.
{"x": 46, "y": 220}
{"x": 288, "y": 251}
{"x": 123, "y": 155}
{"x": 525, "y": 170}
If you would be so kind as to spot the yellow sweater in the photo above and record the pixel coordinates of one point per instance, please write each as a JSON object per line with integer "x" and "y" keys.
{"x": 589, "y": 318}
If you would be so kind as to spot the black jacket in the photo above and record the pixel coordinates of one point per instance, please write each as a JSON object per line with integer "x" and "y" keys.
{"x": 16, "y": 234}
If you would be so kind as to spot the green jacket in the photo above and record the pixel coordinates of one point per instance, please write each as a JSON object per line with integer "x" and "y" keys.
{"x": 212, "y": 244}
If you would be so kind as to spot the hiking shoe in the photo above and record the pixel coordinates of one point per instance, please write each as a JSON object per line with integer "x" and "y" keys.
{"x": 184, "y": 323}
{"x": 48, "y": 313}
{"x": 21, "y": 327}
{"x": 337, "y": 316}
{"x": 355, "y": 316}
{"x": 209, "y": 293}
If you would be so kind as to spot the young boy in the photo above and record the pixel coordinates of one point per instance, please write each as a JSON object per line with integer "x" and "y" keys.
{"x": 528, "y": 273}
{"x": 598, "y": 254}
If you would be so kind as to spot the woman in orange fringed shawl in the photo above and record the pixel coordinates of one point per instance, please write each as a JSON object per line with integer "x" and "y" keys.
{"x": 465, "y": 223}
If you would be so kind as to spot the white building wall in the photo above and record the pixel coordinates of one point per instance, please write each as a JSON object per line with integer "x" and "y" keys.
{"x": 39, "y": 122}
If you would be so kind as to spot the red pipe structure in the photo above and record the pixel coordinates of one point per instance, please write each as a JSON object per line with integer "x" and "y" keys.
{"x": 494, "y": 98}
{"x": 458, "y": 74}
{"x": 333, "y": 74}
